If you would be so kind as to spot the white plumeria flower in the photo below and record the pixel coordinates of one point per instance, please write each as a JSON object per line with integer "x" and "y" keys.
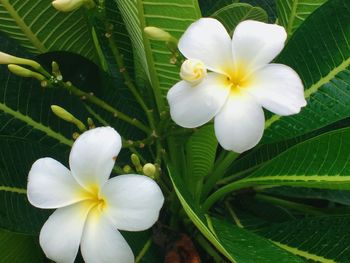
{"x": 240, "y": 83}
{"x": 90, "y": 207}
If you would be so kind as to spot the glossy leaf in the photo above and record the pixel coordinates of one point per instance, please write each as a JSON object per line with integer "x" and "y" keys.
{"x": 292, "y": 13}
{"x": 231, "y": 15}
{"x": 320, "y": 239}
{"x": 40, "y": 28}
{"x": 19, "y": 248}
{"x": 319, "y": 51}
{"x": 201, "y": 152}
{"x": 235, "y": 243}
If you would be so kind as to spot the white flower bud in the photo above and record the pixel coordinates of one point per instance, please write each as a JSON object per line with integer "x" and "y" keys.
{"x": 193, "y": 71}
{"x": 24, "y": 72}
{"x": 65, "y": 115}
{"x": 156, "y": 33}
{"x": 71, "y": 5}
{"x": 9, "y": 59}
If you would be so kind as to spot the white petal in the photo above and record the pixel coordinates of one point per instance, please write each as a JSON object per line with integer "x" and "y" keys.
{"x": 279, "y": 89}
{"x": 208, "y": 41}
{"x": 51, "y": 185}
{"x": 133, "y": 202}
{"x": 102, "y": 243}
{"x": 255, "y": 44}
{"x": 239, "y": 126}
{"x": 61, "y": 234}
{"x": 93, "y": 155}
{"x": 192, "y": 106}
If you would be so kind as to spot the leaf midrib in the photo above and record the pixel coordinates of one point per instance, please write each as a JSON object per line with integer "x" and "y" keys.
{"x": 22, "y": 25}
{"x": 292, "y": 17}
{"x": 303, "y": 254}
{"x": 304, "y": 178}
{"x": 13, "y": 189}
{"x": 36, "y": 125}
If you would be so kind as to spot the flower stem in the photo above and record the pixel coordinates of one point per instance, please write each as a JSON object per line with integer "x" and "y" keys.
{"x": 129, "y": 83}
{"x": 93, "y": 99}
{"x": 218, "y": 172}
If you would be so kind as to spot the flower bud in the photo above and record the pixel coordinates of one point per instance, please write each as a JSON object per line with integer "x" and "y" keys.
{"x": 193, "y": 71}
{"x": 9, "y": 59}
{"x": 71, "y": 5}
{"x": 149, "y": 169}
{"x": 65, "y": 115}
{"x": 156, "y": 33}
{"x": 136, "y": 162}
{"x": 24, "y": 72}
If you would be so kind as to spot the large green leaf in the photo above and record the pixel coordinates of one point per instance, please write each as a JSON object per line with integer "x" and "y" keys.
{"x": 322, "y": 162}
{"x": 235, "y": 243}
{"x": 231, "y": 15}
{"x": 173, "y": 17}
{"x": 292, "y": 13}
{"x": 38, "y": 27}
{"x": 320, "y": 239}
{"x": 19, "y": 248}
{"x": 200, "y": 152}
{"x": 319, "y": 51}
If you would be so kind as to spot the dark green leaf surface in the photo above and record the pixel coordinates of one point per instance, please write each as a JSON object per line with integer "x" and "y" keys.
{"x": 319, "y": 51}
{"x": 40, "y": 28}
{"x": 19, "y": 248}
{"x": 235, "y": 243}
{"x": 320, "y": 239}
{"x": 292, "y": 13}
{"x": 231, "y": 15}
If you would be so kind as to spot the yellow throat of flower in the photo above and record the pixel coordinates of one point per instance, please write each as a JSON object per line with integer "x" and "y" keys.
{"x": 93, "y": 197}
{"x": 238, "y": 79}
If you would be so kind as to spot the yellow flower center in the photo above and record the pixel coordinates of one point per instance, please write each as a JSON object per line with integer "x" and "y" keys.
{"x": 238, "y": 79}
{"x": 94, "y": 198}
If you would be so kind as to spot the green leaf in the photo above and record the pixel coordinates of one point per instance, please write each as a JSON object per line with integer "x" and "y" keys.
{"x": 321, "y": 239}
{"x": 231, "y": 15}
{"x": 292, "y": 13}
{"x": 235, "y": 243}
{"x": 319, "y": 51}
{"x": 173, "y": 17}
{"x": 200, "y": 152}
{"x": 321, "y": 162}
{"x": 40, "y": 28}
{"x": 259, "y": 249}
{"x": 19, "y": 248}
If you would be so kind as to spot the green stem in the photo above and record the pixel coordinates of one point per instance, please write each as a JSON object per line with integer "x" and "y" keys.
{"x": 221, "y": 192}
{"x": 218, "y": 172}
{"x": 289, "y": 204}
{"x": 129, "y": 83}
{"x": 233, "y": 215}
{"x": 143, "y": 251}
{"x": 93, "y": 99}
{"x": 206, "y": 245}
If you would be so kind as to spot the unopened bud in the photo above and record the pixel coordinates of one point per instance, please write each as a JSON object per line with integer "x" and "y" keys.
{"x": 156, "y": 33}
{"x": 24, "y": 72}
{"x": 127, "y": 169}
{"x": 91, "y": 123}
{"x": 56, "y": 70}
{"x": 65, "y": 115}
{"x": 71, "y": 5}
{"x": 9, "y": 59}
{"x": 193, "y": 71}
{"x": 149, "y": 169}
{"x": 136, "y": 162}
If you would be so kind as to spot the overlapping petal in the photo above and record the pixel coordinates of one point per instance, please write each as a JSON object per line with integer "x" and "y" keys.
{"x": 208, "y": 41}
{"x": 239, "y": 126}
{"x": 93, "y": 156}
{"x": 134, "y": 201}
{"x": 102, "y": 243}
{"x": 192, "y": 106}
{"x": 279, "y": 89}
{"x": 51, "y": 185}
{"x": 61, "y": 234}
{"x": 255, "y": 44}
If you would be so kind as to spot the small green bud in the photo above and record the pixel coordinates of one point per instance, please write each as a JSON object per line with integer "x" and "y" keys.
{"x": 127, "y": 169}
{"x": 65, "y": 115}
{"x": 136, "y": 162}
{"x": 149, "y": 169}
{"x": 156, "y": 33}
{"x": 24, "y": 72}
{"x": 91, "y": 123}
{"x": 56, "y": 71}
